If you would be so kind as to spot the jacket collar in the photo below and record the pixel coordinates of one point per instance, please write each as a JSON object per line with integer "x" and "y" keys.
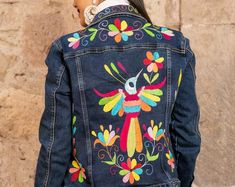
{"x": 116, "y": 10}
{"x": 108, "y": 3}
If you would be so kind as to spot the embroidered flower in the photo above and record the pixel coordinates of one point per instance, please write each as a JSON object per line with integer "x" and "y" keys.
{"x": 170, "y": 159}
{"x": 78, "y": 172}
{"x": 120, "y": 30}
{"x": 131, "y": 171}
{"x": 105, "y": 137}
{"x": 154, "y": 132}
{"x": 167, "y": 34}
{"x": 153, "y": 61}
{"x": 74, "y": 41}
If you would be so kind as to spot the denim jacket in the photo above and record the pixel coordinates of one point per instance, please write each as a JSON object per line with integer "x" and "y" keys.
{"x": 120, "y": 106}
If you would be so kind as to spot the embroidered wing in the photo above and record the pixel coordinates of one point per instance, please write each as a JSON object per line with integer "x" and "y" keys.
{"x": 112, "y": 101}
{"x": 150, "y": 95}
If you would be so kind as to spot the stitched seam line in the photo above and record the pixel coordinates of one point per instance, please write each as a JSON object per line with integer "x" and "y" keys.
{"x": 113, "y": 48}
{"x": 173, "y": 182}
{"x": 53, "y": 125}
{"x": 86, "y": 121}
{"x": 168, "y": 102}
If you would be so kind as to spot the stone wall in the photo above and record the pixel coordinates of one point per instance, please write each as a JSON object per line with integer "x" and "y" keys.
{"x": 27, "y": 27}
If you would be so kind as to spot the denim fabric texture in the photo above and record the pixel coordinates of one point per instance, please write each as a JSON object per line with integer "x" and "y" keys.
{"x": 120, "y": 106}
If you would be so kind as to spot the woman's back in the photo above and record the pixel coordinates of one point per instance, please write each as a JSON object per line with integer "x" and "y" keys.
{"x": 121, "y": 107}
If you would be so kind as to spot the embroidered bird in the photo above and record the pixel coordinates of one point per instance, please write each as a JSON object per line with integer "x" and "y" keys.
{"x": 130, "y": 101}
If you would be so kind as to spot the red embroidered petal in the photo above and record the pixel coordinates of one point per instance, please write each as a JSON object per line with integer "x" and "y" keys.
{"x": 74, "y": 177}
{"x": 129, "y": 28}
{"x": 117, "y": 23}
{"x": 125, "y": 166}
{"x": 147, "y": 61}
{"x": 160, "y": 65}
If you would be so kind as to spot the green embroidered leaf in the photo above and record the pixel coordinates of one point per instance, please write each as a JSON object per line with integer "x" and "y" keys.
{"x": 74, "y": 119}
{"x": 108, "y": 162}
{"x": 150, "y": 33}
{"x": 105, "y": 100}
{"x": 147, "y": 154}
{"x": 114, "y": 158}
{"x": 112, "y": 162}
{"x": 151, "y": 157}
{"x": 146, "y": 25}
{"x": 93, "y": 36}
{"x": 92, "y": 29}
{"x": 146, "y": 77}
{"x": 114, "y": 68}
{"x": 112, "y": 27}
{"x": 123, "y": 172}
{"x": 80, "y": 178}
{"x": 155, "y": 77}
{"x": 157, "y": 92}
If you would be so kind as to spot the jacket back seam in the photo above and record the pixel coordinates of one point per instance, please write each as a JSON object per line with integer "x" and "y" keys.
{"x": 53, "y": 126}
{"x": 82, "y": 52}
{"x": 85, "y": 117}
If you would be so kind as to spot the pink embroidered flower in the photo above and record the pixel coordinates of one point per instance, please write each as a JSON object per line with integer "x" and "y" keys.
{"x": 74, "y": 41}
{"x": 78, "y": 172}
{"x": 167, "y": 34}
{"x": 120, "y": 30}
{"x": 131, "y": 171}
{"x": 153, "y": 61}
{"x": 154, "y": 132}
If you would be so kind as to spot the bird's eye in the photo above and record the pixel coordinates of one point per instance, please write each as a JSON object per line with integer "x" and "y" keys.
{"x": 131, "y": 84}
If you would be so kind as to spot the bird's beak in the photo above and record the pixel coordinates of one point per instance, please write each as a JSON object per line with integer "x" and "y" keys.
{"x": 138, "y": 74}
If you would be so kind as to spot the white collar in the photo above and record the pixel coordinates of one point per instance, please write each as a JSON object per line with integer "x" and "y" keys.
{"x": 108, "y": 3}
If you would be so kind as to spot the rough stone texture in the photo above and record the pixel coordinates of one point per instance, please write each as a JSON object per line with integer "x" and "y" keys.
{"x": 27, "y": 27}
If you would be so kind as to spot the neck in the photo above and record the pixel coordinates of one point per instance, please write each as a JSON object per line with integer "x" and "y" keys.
{"x": 108, "y": 3}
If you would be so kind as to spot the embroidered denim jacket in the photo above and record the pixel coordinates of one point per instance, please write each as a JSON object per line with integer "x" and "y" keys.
{"x": 120, "y": 106}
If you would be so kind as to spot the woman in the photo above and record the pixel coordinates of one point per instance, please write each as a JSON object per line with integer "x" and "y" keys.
{"x": 120, "y": 103}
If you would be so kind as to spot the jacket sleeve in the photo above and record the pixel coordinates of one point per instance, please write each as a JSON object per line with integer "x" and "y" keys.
{"x": 185, "y": 116}
{"x": 54, "y": 129}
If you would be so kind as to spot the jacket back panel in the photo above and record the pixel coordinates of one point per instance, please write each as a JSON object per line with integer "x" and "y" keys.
{"x": 123, "y": 94}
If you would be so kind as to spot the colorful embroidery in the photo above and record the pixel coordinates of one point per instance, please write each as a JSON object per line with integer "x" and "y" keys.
{"x": 77, "y": 171}
{"x": 132, "y": 168}
{"x": 153, "y": 61}
{"x": 170, "y": 159}
{"x": 74, "y": 41}
{"x": 131, "y": 101}
{"x": 105, "y": 137}
{"x": 179, "y": 81}
{"x": 167, "y": 34}
{"x": 120, "y": 30}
